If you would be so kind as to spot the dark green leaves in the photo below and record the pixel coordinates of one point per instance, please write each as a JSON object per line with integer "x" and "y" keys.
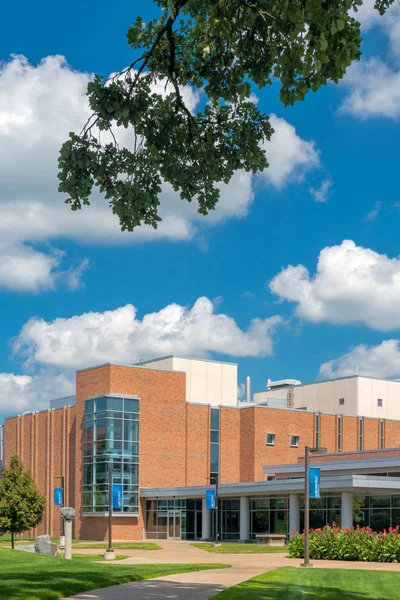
{"x": 220, "y": 47}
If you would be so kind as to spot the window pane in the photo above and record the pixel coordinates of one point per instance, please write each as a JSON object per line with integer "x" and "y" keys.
{"x": 101, "y": 429}
{"x": 380, "y": 519}
{"x": 114, "y": 404}
{"x": 261, "y": 503}
{"x": 214, "y": 462}
{"x": 383, "y": 501}
{"x": 214, "y": 418}
{"x": 214, "y": 436}
{"x": 131, "y": 405}
{"x": 260, "y": 521}
{"x": 88, "y": 474}
{"x": 131, "y": 431}
{"x": 114, "y": 429}
{"x": 89, "y": 406}
{"x": 100, "y": 404}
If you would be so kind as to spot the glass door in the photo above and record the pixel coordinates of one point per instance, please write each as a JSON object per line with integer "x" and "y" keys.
{"x": 174, "y": 525}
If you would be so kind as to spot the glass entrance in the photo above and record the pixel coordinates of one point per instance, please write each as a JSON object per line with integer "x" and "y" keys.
{"x": 174, "y": 525}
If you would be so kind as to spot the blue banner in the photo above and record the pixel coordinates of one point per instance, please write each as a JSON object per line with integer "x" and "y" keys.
{"x": 117, "y": 496}
{"x": 58, "y": 496}
{"x": 314, "y": 483}
{"x": 210, "y": 499}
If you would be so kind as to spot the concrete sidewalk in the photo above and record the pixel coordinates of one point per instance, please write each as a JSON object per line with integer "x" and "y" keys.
{"x": 203, "y": 585}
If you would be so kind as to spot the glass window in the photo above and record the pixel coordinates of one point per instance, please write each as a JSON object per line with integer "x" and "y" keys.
{"x": 260, "y": 503}
{"x": 382, "y": 434}
{"x": 214, "y": 451}
{"x": 380, "y": 402}
{"x": 270, "y": 441}
{"x": 383, "y": 501}
{"x": 294, "y": 441}
{"x": 114, "y": 404}
{"x": 214, "y": 438}
{"x": 131, "y": 405}
{"x": 89, "y": 406}
{"x": 341, "y": 401}
{"x": 113, "y": 440}
{"x": 215, "y": 418}
{"x": 101, "y": 404}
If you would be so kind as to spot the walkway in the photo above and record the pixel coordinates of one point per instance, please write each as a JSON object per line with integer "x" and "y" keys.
{"x": 204, "y": 585}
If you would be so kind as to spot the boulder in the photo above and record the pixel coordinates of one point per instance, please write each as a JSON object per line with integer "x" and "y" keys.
{"x": 45, "y": 546}
{"x": 26, "y": 548}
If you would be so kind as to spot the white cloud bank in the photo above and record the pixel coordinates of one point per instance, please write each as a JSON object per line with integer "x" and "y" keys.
{"x": 20, "y": 393}
{"x": 119, "y": 335}
{"x": 382, "y": 360}
{"x": 53, "y": 350}
{"x": 351, "y": 284}
{"x": 39, "y": 106}
{"x": 374, "y": 84}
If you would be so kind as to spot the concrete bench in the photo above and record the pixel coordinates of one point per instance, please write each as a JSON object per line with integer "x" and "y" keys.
{"x": 271, "y": 539}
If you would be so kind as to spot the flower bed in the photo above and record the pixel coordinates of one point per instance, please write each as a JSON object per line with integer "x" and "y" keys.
{"x": 363, "y": 544}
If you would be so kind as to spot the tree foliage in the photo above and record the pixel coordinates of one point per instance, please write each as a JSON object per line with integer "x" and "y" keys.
{"x": 21, "y": 504}
{"x": 223, "y": 48}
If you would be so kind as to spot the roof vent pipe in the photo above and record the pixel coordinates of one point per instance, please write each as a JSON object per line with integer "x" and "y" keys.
{"x": 247, "y": 388}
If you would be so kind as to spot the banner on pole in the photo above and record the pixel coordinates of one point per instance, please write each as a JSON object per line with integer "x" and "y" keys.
{"x": 117, "y": 496}
{"x": 314, "y": 485}
{"x": 58, "y": 496}
{"x": 210, "y": 499}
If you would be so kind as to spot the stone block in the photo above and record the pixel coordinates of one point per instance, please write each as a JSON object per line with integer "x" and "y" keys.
{"x": 27, "y": 548}
{"x": 45, "y": 546}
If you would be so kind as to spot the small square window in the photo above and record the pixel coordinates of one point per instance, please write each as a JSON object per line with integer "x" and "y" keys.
{"x": 294, "y": 441}
{"x": 341, "y": 401}
{"x": 270, "y": 439}
{"x": 380, "y": 402}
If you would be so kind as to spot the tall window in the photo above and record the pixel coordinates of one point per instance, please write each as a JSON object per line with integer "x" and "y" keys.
{"x": 214, "y": 445}
{"x": 111, "y": 440}
{"x": 317, "y": 430}
{"x": 361, "y": 444}
{"x": 339, "y": 433}
{"x": 382, "y": 434}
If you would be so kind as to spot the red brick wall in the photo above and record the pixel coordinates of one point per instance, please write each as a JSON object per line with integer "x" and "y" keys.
{"x": 371, "y": 434}
{"x": 39, "y": 439}
{"x": 247, "y": 418}
{"x": 197, "y": 444}
{"x": 392, "y": 434}
{"x": 328, "y": 432}
{"x": 229, "y": 445}
{"x": 350, "y": 433}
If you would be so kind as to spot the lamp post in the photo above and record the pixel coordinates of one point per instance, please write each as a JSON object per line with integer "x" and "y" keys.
{"x": 109, "y": 553}
{"x": 307, "y": 452}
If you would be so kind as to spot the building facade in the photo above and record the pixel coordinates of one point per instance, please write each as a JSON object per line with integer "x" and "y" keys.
{"x": 166, "y": 450}
{"x": 352, "y": 396}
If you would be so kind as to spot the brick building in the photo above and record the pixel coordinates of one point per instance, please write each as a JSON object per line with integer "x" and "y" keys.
{"x": 166, "y": 448}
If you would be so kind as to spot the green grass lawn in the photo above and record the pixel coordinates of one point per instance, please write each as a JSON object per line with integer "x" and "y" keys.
{"x": 235, "y": 548}
{"x": 317, "y": 584}
{"x": 94, "y": 557}
{"x": 32, "y": 577}
{"x": 84, "y": 545}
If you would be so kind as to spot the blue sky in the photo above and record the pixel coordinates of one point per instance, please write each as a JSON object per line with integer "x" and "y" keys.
{"x": 57, "y": 267}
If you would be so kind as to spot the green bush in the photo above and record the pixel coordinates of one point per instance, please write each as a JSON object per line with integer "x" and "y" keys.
{"x": 334, "y": 543}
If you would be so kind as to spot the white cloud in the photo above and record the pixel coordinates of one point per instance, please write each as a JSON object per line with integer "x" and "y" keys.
{"x": 40, "y": 105}
{"x": 352, "y": 284}
{"x": 374, "y": 83}
{"x": 289, "y": 156}
{"x": 118, "y": 335}
{"x": 374, "y": 90}
{"x": 24, "y": 269}
{"x": 374, "y": 213}
{"x": 321, "y": 194}
{"x": 21, "y": 393}
{"x": 382, "y": 360}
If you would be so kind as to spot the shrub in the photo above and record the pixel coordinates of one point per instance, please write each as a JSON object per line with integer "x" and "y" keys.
{"x": 334, "y": 543}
